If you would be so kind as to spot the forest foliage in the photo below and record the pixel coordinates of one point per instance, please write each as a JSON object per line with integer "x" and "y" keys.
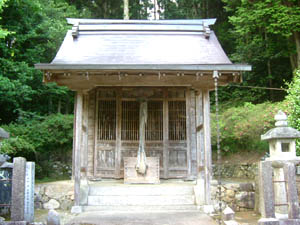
{"x": 263, "y": 33}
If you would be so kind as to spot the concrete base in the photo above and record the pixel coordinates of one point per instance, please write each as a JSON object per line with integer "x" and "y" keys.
{"x": 142, "y": 218}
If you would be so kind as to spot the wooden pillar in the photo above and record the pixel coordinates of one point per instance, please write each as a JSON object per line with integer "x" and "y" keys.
{"x": 74, "y": 135}
{"x": 118, "y": 154}
{"x": 166, "y": 134}
{"x": 85, "y": 128}
{"x": 77, "y": 152}
{"x": 188, "y": 133}
{"x": 193, "y": 137}
{"x": 207, "y": 146}
{"x": 200, "y": 188}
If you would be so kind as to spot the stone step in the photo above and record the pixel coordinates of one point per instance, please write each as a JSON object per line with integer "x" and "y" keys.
{"x": 149, "y": 208}
{"x": 140, "y": 200}
{"x": 141, "y": 190}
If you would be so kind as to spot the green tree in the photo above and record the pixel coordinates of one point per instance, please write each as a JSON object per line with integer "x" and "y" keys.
{"x": 38, "y": 29}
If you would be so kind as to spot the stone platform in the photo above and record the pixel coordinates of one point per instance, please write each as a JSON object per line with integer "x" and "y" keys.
{"x": 142, "y": 218}
{"x": 117, "y": 196}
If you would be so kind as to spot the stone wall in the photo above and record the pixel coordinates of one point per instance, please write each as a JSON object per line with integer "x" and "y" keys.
{"x": 240, "y": 171}
{"x": 57, "y": 195}
{"x": 238, "y": 196}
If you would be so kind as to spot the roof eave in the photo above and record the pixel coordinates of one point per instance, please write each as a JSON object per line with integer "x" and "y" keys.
{"x": 171, "y": 67}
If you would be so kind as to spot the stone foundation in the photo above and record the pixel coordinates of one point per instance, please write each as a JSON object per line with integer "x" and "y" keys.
{"x": 239, "y": 171}
{"x": 238, "y": 196}
{"x": 57, "y": 195}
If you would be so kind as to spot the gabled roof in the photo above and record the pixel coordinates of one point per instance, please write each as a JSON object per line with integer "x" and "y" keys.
{"x": 141, "y": 44}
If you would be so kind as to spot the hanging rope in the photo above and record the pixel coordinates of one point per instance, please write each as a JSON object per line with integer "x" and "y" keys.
{"x": 216, "y": 77}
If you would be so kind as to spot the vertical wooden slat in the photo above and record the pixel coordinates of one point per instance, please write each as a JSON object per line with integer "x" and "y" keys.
{"x": 188, "y": 132}
{"x": 207, "y": 144}
{"x": 118, "y": 134}
{"x": 79, "y": 101}
{"x": 166, "y": 135}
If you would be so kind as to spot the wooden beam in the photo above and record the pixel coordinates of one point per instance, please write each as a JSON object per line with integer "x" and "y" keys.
{"x": 79, "y": 107}
{"x": 207, "y": 145}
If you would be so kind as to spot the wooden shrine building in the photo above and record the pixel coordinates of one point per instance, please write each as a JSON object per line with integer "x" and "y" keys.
{"x": 112, "y": 64}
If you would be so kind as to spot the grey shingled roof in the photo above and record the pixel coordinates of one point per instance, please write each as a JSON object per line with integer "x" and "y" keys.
{"x": 139, "y": 44}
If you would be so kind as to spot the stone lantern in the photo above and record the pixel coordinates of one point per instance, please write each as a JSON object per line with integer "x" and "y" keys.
{"x": 282, "y": 139}
{"x": 282, "y": 147}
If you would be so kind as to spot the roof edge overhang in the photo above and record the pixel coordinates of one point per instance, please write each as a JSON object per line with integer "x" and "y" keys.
{"x": 206, "y": 22}
{"x": 169, "y": 67}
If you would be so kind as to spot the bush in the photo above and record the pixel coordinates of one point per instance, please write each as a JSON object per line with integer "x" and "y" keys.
{"x": 41, "y": 139}
{"x": 242, "y": 126}
{"x": 293, "y": 99}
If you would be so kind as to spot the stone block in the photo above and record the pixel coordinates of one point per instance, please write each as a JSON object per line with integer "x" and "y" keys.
{"x": 18, "y": 190}
{"x": 76, "y": 209}
{"x": 16, "y": 223}
{"x": 246, "y": 187}
{"x": 268, "y": 221}
{"x": 231, "y": 222}
{"x": 266, "y": 194}
{"x": 132, "y": 177}
{"x": 52, "y": 204}
{"x": 53, "y": 218}
{"x": 228, "y": 214}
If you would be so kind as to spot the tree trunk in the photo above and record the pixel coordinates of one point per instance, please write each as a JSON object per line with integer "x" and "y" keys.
{"x": 126, "y": 9}
{"x": 59, "y": 106}
{"x": 50, "y": 105}
{"x": 270, "y": 80}
{"x": 297, "y": 42}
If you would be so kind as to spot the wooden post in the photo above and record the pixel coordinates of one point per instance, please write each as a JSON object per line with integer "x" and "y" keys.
{"x": 199, "y": 131}
{"x": 85, "y": 128}
{"x": 188, "y": 133}
{"x": 193, "y": 136}
{"x": 166, "y": 134}
{"x": 118, "y": 134}
{"x": 79, "y": 104}
{"x": 74, "y": 138}
{"x": 207, "y": 145}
